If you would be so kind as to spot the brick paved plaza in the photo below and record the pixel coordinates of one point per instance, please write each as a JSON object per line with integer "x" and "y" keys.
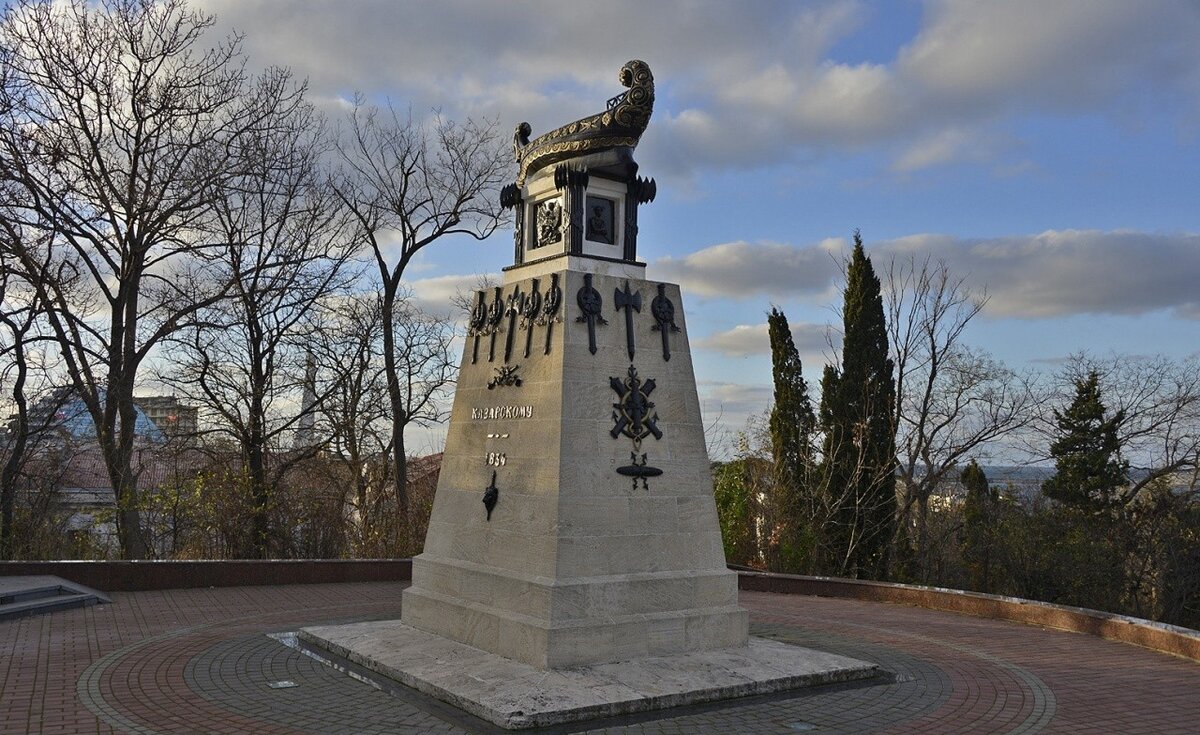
{"x": 203, "y": 661}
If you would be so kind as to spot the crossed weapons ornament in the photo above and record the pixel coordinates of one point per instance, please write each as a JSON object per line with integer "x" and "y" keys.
{"x": 635, "y": 417}
{"x": 531, "y": 309}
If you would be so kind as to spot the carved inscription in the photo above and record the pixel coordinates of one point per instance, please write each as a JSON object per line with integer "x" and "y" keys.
{"x": 496, "y": 459}
{"x": 488, "y": 413}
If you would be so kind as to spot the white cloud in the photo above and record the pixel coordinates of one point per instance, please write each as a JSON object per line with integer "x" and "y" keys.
{"x": 742, "y": 269}
{"x": 741, "y": 341}
{"x": 753, "y": 339}
{"x": 727, "y": 405}
{"x": 739, "y": 84}
{"x": 944, "y": 146}
{"x": 1189, "y": 311}
{"x": 437, "y": 295}
{"x": 1057, "y": 55}
{"x": 1061, "y": 272}
{"x": 1054, "y": 273}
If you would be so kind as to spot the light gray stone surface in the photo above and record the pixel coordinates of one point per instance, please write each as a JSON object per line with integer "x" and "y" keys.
{"x": 515, "y": 695}
{"x": 577, "y": 565}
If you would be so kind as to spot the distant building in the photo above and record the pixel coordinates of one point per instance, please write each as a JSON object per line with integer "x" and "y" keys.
{"x": 63, "y": 413}
{"x": 170, "y": 416}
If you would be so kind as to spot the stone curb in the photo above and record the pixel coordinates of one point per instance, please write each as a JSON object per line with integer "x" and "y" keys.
{"x": 140, "y": 576}
{"x": 1172, "y": 639}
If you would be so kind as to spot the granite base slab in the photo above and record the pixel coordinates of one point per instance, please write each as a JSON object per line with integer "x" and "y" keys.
{"x": 515, "y": 695}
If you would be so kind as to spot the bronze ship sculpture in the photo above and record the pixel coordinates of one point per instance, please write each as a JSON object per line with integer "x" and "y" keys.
{"x": 601, "y": 141}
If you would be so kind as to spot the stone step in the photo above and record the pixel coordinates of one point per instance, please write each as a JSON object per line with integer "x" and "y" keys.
{"x": 21, "y": 596}
{"x": 32, "y": 593}
{"x": 38, "y": 606}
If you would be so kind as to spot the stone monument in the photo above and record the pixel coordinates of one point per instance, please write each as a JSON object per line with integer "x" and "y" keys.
{"x": 574, "y": 528}
{"x": 574, "y": 520}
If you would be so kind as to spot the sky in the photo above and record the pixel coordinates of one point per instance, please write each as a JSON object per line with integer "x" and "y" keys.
{"x": 1047, "y": 150}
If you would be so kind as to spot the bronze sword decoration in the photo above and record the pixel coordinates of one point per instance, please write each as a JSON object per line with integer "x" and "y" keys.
{"x": 550, "y": 308}
{"x": 512, "y": 310}
{"x": 529, "y": 311}
{"x": 664, "y": 318}
{"x": 630, "y": 302}
{"x": 494, "y": 315}
{"x": 590, "y": 303}
{"x": 478, "y": 320}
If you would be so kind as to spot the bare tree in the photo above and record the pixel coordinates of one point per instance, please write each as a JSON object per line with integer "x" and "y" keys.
{"x": 284, "y": 250}
{"x": 952, "y": 402}
{"x": 28, "y": 375}
{"x": 118, "y": 129}
{"x": 410, "y": 185}
{"x": 359, "y": 411}
{"x": 348, "y": 349}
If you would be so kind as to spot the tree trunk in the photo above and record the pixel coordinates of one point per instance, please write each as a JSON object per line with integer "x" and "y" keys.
{"x": 120, "y": 463}
{"x": 8, "y": 479}
{"x": 260, "y": 526}
{"x": 396, "y": 396}
{"x": 129, "y": 516}
{"x": 923, "y": 552}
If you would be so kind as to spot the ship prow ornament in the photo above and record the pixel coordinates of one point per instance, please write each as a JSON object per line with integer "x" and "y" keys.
{"x": 602, "y": 142}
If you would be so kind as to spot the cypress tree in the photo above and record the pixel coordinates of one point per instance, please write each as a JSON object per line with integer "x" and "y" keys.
{"x": 860, "y": 441}
{"x": 1088, "y": 470}
{"x": 791, "y": 426}
{"x": 979, "y": 517}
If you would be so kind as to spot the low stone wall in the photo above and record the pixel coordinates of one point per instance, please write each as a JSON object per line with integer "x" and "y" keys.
{"x": 136, "y": 576}
{"x": 1157, "y": 636}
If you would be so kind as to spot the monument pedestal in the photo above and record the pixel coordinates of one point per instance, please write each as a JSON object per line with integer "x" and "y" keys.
{"x": 593, "y": 581}
{"x": 577, "y": 563}
{"x": 515, "y": 695}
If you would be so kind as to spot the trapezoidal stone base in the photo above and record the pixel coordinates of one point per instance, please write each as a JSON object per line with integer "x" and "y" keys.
{"x": 547, "y": 544}
{"x": 514, "y": 695}
{"x": 571, "y": 622}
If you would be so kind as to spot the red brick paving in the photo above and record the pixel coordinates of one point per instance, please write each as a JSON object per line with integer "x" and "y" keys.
{"x": 1003, "y": 677}
{"x": 1098, "y": 686}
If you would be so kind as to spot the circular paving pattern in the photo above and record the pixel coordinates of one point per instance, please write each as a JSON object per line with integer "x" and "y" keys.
{"x": 205, "y": 661}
